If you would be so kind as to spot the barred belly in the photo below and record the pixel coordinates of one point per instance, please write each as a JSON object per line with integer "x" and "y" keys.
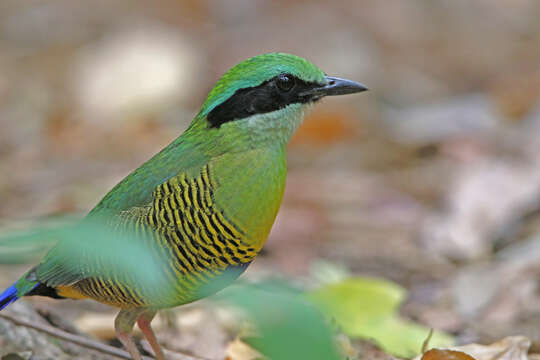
{"x": 200, "y": 251}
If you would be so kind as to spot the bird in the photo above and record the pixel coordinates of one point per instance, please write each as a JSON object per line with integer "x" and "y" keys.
{"x": 203, "y": 206}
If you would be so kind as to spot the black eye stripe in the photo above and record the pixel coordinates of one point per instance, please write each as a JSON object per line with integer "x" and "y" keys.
{"x": 271, "y": 95}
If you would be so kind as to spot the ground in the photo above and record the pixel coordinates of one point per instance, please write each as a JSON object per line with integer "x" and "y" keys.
{"x": 430, "y": 180}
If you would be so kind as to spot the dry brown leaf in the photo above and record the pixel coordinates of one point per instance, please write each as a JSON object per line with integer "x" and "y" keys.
{"x": 438, "y": 354}
{"x": 509, "y": 348}
{"x": 239, "y": 350}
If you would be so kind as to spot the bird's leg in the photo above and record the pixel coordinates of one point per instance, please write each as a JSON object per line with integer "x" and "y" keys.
{"x": 143, "y": 321}
{"x": 123, "y": 324}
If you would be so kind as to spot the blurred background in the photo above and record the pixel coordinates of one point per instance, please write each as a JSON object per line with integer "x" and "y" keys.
{"x": 430, "y": 180}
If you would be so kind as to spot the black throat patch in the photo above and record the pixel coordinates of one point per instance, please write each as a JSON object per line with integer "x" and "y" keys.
{"x": 271, "y": 95}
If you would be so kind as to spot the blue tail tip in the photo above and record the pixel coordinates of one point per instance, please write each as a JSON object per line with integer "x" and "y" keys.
{"x": 8, "y": 296}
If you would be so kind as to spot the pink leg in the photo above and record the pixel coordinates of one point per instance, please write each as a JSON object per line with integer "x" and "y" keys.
{"x": 144, "y": 324}
{"x": 123, "y": 324}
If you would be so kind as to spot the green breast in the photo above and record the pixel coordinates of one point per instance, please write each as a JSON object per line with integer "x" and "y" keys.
{"x": 250, "y": 191}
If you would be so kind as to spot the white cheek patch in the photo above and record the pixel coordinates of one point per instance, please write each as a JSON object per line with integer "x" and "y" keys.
{"x": 278, "y": 126}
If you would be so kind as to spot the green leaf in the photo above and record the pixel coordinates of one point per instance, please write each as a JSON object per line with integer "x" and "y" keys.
{"x": 27, "y": 241}
{"x": 289, "y": 327}
{"x": 368, "y": 308}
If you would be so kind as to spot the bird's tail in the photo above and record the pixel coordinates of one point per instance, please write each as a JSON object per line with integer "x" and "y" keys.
{"x": 20, "y": 288}
{"x": 8, "y": 296}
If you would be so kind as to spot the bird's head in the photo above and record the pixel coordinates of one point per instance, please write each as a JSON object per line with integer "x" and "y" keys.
{"x": 264, "y": 97}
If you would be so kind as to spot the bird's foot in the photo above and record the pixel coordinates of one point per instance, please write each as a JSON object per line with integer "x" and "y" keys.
{"x": 129, "y": 345}
{"x": 144, "y": 324}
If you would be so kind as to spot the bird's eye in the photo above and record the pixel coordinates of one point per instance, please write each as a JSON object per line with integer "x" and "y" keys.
{"x": 285, "y": 82}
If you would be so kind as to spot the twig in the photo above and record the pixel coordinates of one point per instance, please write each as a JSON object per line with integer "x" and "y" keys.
{"x": 82, "y": 341}
{"x": 426, "y": 342}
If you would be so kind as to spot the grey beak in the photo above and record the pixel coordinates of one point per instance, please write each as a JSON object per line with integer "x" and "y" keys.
{"x": 336, "y": 86}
